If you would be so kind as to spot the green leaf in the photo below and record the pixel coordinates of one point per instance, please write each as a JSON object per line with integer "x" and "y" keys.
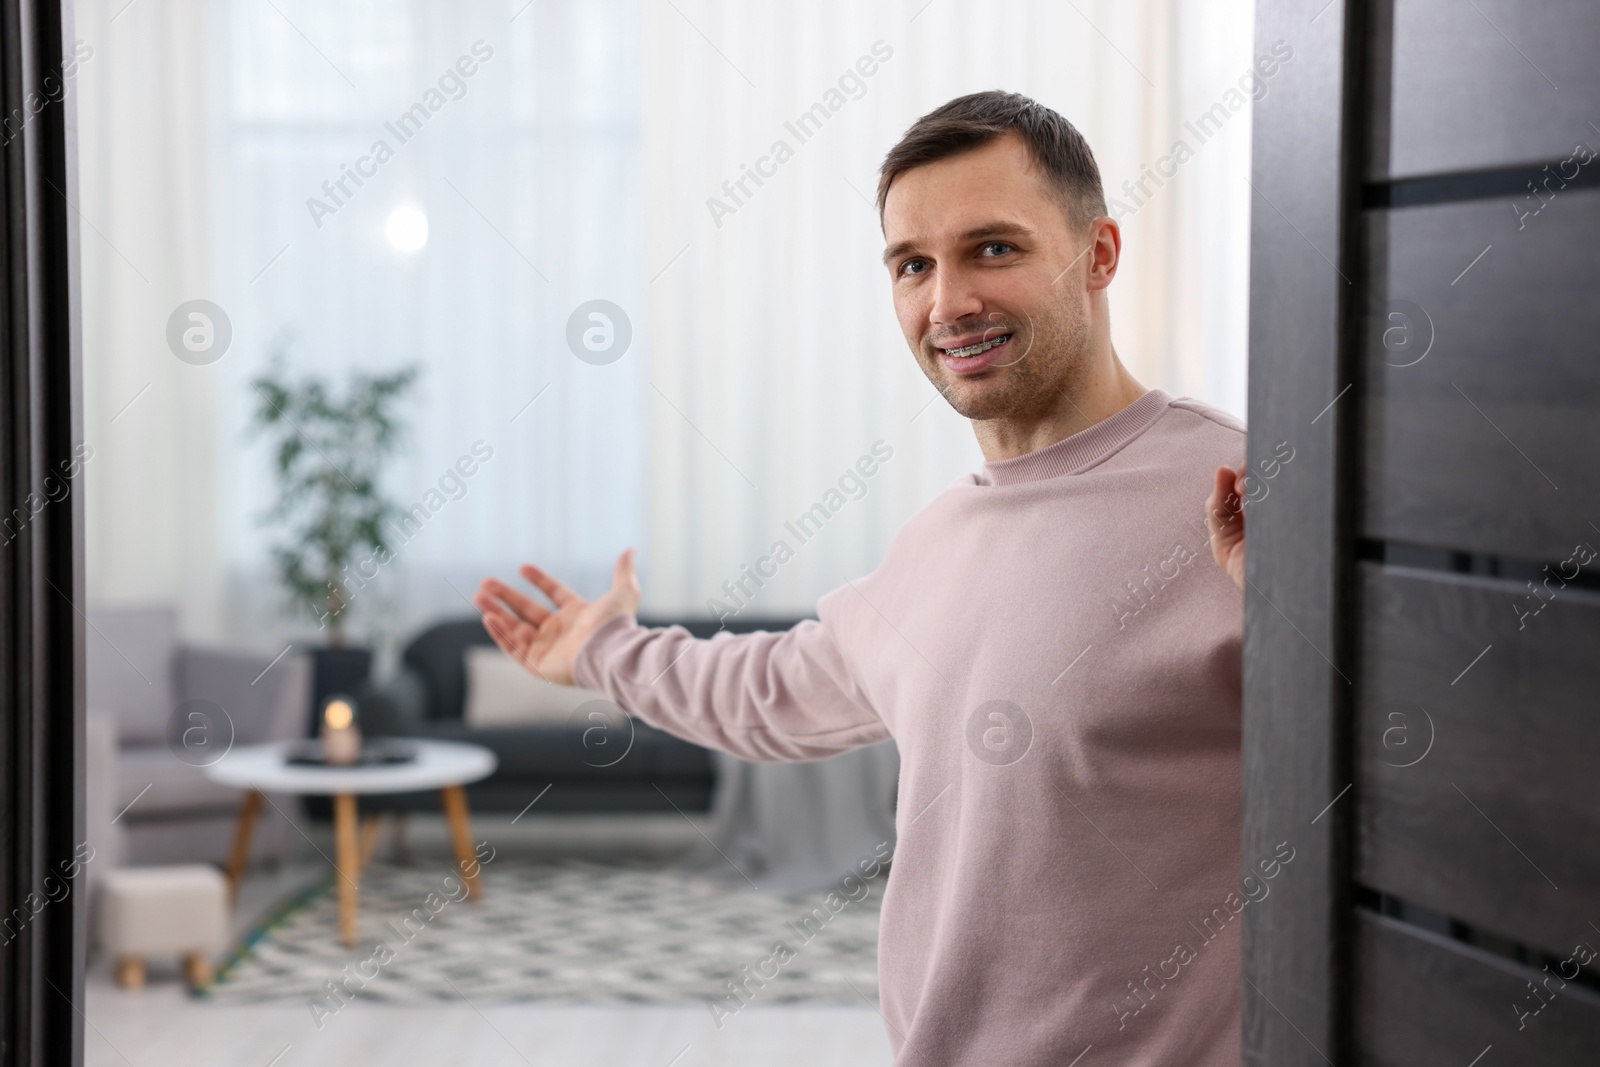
{"x": 329, "y": 451}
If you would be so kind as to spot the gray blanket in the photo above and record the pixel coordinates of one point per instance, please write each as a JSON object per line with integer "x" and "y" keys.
{"x": 794, "y": 827}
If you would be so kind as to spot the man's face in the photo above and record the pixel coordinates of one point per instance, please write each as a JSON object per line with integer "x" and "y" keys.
{"x": 992, "y": 282}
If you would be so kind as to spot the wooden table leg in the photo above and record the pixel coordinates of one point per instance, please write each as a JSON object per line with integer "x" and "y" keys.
{"x": 455, "y": 810}
{"x": 130, "y": 972}
{"x": 249, "y": 807}
{"x": 370, "y": 826}
{"x": 347, "y": 856}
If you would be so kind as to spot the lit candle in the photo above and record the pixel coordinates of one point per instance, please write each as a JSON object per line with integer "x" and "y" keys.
{"x": 341, "y": 737}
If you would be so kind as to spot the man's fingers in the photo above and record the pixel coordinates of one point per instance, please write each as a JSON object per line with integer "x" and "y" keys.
{"x": 559, "y": 594}
{"x": 500, "y": 623}
{"x": 499, "y": 631}
{"x": 1236, "y": 488}
{"x": 622, "y": 575}
{"x": 505, "y": 635}
{"x": 1225, "y": 521}
{"x": 511, "y": 632}
{"x": 1217, "y": 506}
{"x": 521, "y": 604}
{"x": 1223, "y": 510}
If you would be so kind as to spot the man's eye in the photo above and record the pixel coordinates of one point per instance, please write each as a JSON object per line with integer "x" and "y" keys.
{"x": 913, "y": 266}
{"x": 997, "y": 248}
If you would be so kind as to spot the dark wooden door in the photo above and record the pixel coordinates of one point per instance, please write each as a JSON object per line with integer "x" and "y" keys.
{"x": 1422, "y": 650}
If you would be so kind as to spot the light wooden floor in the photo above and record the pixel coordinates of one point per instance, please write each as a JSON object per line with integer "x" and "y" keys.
{"x": 162, "y": 1026}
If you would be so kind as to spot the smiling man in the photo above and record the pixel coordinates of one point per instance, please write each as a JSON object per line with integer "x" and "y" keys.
{"x": 1044, "y": 641}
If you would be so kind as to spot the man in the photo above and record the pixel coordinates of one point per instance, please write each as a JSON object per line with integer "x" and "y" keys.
{"x": 1044, "y": 641}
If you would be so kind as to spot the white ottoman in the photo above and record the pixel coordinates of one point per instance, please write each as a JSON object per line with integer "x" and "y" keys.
{"x": 178, "y": 910}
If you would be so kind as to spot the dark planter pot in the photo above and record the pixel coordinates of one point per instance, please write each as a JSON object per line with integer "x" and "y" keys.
{"x": 333, "y": 670}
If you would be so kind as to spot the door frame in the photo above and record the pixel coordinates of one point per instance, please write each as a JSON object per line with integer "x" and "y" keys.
{"x": 43, "y": 910}
{"x": 1306, "y": 285}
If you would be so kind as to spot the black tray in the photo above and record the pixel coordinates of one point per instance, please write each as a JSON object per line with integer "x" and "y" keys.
{"x": 379, "y": 752}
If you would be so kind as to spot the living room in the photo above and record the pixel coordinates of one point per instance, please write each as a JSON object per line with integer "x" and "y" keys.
{"x": 379, "y": 302}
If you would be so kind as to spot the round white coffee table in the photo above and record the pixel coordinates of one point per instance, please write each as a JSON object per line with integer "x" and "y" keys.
{"x": 442, "y": 765}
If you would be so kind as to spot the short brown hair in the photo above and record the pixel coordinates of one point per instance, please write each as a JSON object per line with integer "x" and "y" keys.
{"x": 972, "y": 121}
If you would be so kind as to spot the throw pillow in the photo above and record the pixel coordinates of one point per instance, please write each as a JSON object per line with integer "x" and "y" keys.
{"x": 502, "y": 692}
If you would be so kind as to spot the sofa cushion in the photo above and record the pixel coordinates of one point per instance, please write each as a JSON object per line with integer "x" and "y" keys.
{"x": 502, "y": 692}
{"x": 262, "y": 704}
{"x": 174, "y": 786}
{"x": 129, "y": 656}
{"x": 553, "y": 752}
{"x": 438, "y": 654}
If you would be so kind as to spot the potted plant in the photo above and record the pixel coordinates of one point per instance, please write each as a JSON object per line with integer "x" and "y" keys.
{"x": 329, "y": 450}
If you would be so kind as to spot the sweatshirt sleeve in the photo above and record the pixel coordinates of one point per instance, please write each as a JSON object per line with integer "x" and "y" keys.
{"x": 758, "y": 696}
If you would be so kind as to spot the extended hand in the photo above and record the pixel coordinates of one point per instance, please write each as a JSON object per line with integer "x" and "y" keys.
{"x": 544, "y": 641}
{"x": 1225, "y": 520}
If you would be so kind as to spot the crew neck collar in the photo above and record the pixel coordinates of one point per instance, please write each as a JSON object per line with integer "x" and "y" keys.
{"x": 1083, "y": 449}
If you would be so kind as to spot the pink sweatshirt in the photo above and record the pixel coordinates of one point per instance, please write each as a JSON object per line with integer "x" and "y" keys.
{"x": 1057, "y": 657}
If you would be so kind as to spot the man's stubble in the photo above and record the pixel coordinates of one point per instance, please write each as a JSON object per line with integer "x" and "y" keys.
{"x": 1050, "y": 370}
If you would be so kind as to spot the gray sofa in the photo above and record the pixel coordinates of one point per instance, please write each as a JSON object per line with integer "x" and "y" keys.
{"x": 145, "y": 689}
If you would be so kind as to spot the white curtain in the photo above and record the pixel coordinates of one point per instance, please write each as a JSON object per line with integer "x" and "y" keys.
{"x": 145, "y": 211}
{"x": 524, "y": 173}
{"x": 576, "y": 165}
{"x": 527, "y": 178}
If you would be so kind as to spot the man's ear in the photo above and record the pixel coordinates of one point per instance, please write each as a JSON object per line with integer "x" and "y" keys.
{"x": 1105, "y": 251}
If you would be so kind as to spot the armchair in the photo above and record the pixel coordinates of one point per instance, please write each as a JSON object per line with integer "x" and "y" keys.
{"x": 139, "y": 676}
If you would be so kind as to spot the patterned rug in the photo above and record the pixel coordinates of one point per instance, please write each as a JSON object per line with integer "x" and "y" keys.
{"x": 571, "y": 932}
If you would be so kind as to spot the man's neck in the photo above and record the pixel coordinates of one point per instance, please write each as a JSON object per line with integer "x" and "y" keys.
{"x": 1079, "y": 405}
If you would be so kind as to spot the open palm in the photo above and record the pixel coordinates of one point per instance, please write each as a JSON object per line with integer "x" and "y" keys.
{"x": 547, "y": 641}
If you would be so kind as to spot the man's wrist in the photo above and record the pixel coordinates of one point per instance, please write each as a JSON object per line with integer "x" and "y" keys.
{"x": 582, "y": 674}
